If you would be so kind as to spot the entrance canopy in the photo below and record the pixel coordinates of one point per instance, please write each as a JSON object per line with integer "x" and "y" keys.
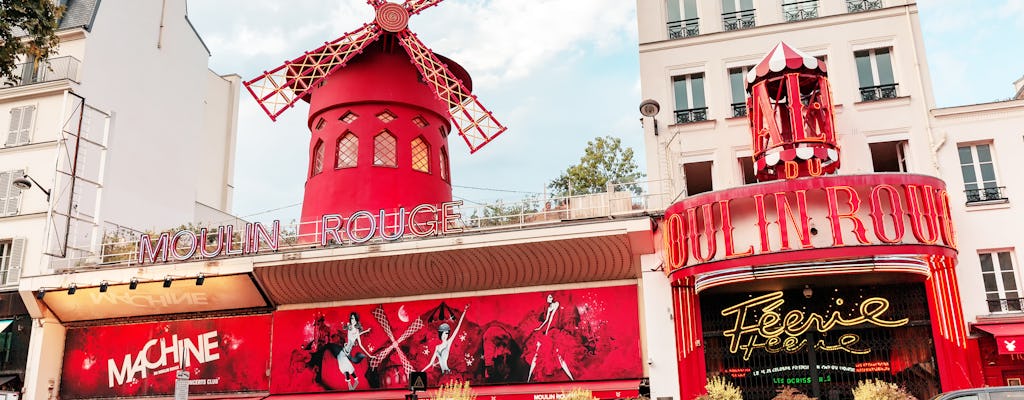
{"x": 1009, "y": 336}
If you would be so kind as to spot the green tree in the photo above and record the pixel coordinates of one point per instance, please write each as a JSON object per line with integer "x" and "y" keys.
{"x": 27, "y": 27}
{"x": 603, "y": 161}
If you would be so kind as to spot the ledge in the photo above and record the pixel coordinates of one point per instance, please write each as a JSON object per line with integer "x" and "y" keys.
{"x": 899, "y": 100}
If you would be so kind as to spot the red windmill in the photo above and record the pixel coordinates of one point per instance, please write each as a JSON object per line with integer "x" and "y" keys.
{"x": 379, "y": 116}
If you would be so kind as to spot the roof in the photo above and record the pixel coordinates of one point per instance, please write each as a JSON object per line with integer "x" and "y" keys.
{"x": 783, "y": 57}
{"x": 77, "y": 14}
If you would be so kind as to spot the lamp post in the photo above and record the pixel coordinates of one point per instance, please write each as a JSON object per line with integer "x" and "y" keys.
{"x": 26, "y": 182}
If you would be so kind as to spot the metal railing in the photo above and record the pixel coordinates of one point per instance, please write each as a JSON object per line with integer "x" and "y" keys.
{"x": 120, "y": 245}
{"x": 739, "y": 109}
{"x": 986, "y": 194}
{"x": 800, "y": 10}
{"x": 691, "y": 115}
{"x": 684, "y": 28}
{"x": 880, "y": 92}
{"x": 1010, "y": 304}
{"x": 52, "y": 69}
{"x": 738, "y": 20}
{"x": 863, "y": 5}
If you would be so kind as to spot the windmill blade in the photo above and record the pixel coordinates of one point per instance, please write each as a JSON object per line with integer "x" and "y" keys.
{"x": 416, "y": 6}
{"x": 476, "y": 125}
{"x": 278, "y": 89}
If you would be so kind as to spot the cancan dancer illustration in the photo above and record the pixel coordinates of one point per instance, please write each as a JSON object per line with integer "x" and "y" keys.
{"x": 447, "y": 336}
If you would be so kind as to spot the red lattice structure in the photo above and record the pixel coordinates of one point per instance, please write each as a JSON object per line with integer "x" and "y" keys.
{"x": 280, "y": 88}
{"x": 791, "y": 139}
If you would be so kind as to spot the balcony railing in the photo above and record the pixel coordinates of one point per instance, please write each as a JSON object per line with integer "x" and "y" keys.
{"x": 738, "y": 20}
{"x": 739, "y": 109}
{"x": 684, "y": 28}
{"x": 53, "y": 69}
{"x": 982, "y": 195}
{"x": 863, "y": 5}
{"x": 1010, "y": 304}
{"x": 691, "y": 115}
{"x": 800, "y": 10}
{"x": 880, "y": 92}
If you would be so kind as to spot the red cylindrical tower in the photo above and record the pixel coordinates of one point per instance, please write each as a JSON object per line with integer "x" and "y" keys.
{"x": 379, "y": 138}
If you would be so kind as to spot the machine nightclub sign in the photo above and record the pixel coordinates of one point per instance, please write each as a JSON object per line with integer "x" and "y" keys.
{"x": 222, "y": 355}
{"x": 755, "y": 220}
{"x": 777, "y": 330}
{"x": 360, "y": 227}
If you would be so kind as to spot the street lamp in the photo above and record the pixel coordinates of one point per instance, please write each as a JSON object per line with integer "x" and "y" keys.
{"x": 25, "y": 183}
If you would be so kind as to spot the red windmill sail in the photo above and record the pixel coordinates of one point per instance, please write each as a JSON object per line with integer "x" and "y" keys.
{"x": 281, "y": 87}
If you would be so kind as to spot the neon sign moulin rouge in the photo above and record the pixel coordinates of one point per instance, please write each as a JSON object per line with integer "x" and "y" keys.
{"x": 770, "y": 218}
{"x": 360, "y": 227}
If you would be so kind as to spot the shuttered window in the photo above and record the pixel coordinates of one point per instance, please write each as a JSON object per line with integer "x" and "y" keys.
{"x": 12, "y": 253}
{"x": 10, "y": 196}
{"x": 19, "y": 131}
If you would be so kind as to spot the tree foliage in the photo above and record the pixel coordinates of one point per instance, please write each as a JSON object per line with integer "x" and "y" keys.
{"x": 603, "y": 161}
{"x": 27, "y": 27}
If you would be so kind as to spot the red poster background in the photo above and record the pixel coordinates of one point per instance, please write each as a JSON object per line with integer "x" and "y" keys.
{"x": 593, "y": 335}
{"x": 243, "y": 348}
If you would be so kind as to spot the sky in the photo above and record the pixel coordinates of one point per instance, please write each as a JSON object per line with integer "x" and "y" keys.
{"x": 556, "y": 73}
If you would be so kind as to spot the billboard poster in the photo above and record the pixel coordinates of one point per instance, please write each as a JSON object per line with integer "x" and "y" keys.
{"x": 552, "y": 336}
{"x": 221, "y": 355}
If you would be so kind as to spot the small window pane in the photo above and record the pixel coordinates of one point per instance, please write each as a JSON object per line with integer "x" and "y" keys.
{"x": 679, "y": 86}
{"x": 986, "y": 262}
{"x": 864, "y": 69}
{"x": 984, "y": 153}
{"x": 690, "y": 9}
{"x": 990, "y": 282}
{"x": 736, "y": 82}
{"x": 348, "y": 151}
{"x": 965, "y": 155}
{"x": 674, "y": 13}
{"x": 444, "y": 164}
{"x": 1004, "y": 261}
{"x": 384, "y": 147}
{"x": 1009, "y": 282}
{"x": 318, "y": 158}
{"x": 988, "y": 173}
{"x": 420, "y": 155}
{"x": 883, "y": 61}
{"x": 728, "y": 6}
{"x": 697, "y": 83}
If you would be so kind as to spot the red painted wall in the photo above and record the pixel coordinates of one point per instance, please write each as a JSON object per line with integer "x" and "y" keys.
{"x": 593, "y": 332}
{"x": 375, "y": 82}
{"x": 236, "y": 360}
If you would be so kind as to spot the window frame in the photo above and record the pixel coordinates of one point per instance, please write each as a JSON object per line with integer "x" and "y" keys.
{"x": 394, "y": 149}
{"x": 988, "y": 192}
{"x": 10, "y": 204}
{"x": 414, "y": 152}
{"x": 687, "y": 80}
{"x": 316, "y": 166}
{"x": 12, "y": 254}
{"x": 21, "y": 134}
{"x": 998, "y": 272}
{"x": 338, "y": 148}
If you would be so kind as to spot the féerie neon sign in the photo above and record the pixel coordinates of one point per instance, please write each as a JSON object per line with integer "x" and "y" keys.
{"x": 776, "y": 332}
{"x": 360, "y": 227}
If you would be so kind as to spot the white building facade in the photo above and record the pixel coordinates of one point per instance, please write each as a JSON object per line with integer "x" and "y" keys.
{"x": 128, "y": 90}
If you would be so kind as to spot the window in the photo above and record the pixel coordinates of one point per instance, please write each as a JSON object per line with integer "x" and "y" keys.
{"x": 318, "y": 158}
{"x": 348, "y": 151}
{"x": 420, "y": 122}
{"x": 682, "y": 18}
{"x": 979, "y": 172}
{"x": 10, "y": 196}
{"x": 384, "y": 150}
{"x": 386, "y": 116}
{"x": 420, "y": 155}
{"x": 320, "y": 124}
{"x": 737, "y": 14}
{"x": 698, "y": 177}
{"x": 1000, "y": 281}
{"x": 348, "y": 117}
{"x": 874, "y": 73}
{"x": 444, "y": 164}
{"x": 689, "y": 93}
{"x": 11, "y": 254}
{"x": 738, "y": 84}
{"x": 20, "y": 129}
{"x": 889, "y": 156}
{"x": 747, "y": 170}
{"x": 796, "y": 10}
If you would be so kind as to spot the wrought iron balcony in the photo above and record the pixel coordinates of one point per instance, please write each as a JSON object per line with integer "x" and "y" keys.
{"x": 800, "y": 10}
{"x": 1010, "y": 304}
{"x": 691, "y": 115}
{"x": 880, "y": 92}
{"x": 988, "y": 194}
{"x": 738, "y": 20}
{"x": 52, "y": 69}
{"x": 684, "y": 28}
{"x": 739, "y": 109}
{"x": 863, "y": 5}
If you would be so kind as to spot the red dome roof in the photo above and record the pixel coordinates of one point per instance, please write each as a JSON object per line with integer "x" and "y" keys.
{"x": 783, "y": 57}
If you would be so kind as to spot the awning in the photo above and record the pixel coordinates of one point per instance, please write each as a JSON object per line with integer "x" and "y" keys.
{"x": 1009, "y": 337}
{"x": 538, "y": 391}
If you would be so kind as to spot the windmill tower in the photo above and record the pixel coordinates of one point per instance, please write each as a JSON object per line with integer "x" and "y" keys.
{"x": 381, "y": 107}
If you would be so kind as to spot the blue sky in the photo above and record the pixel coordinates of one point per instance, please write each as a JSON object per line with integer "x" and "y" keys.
{"x": 555, "y": 73}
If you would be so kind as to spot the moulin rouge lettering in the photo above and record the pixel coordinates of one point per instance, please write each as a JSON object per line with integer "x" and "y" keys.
{"x": 774, "y": 332}
{"x": 360, "y": 227}
{"x": 152, "y": 359}
{"x": 706, "y": 232}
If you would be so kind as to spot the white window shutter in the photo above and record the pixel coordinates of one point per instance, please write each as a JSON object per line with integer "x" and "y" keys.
{"x": 13, "y": 193}
{"x": 5, "y": 190}
{"x": 14, "y": 128}
{"x": 17, "y": 258}
{"x": 27, "y": 118}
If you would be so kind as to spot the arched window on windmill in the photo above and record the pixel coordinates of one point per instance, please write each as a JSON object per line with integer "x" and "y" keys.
{"x": 348, "y": 151}
{"x": 385, "y": 150}
{"x": 318, "y": 158}
{"x": 444, "y": 164}
{"x": 420, "y": 155}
